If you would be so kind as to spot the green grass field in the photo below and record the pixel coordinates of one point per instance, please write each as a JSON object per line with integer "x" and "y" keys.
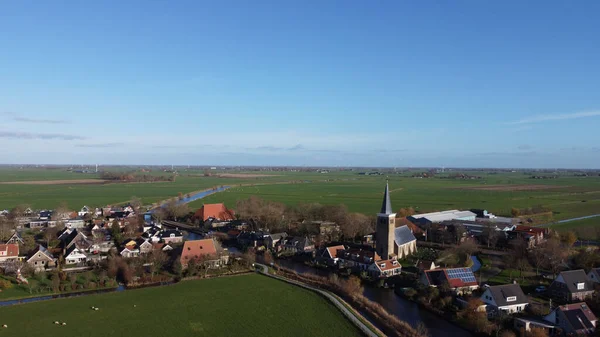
{"x": 250, "y": 305}
{"x": 567, "y": 196}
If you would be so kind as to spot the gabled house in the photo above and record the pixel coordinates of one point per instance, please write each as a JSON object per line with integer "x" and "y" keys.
{"x": 74, "y": 255}
{"x": 130, "y": 249}
{"x": 573, "y": 319}
{"x": 460, "y": 280}
{"x": 202, "y": 251}
{"x": 214, "y": 211}
{"x": 70, "y": 237}
{"x": 161, "y": 246}
{"x": 297, "y": 245}
{"x": 532, "y": 235}
{"x": 594, "y": 275}
{"x": 271, "y": 240}
{"x": 358, "y": 259}
{"x": 171, "y": 236}
{"x": 152, "y": 234}
{"x": 384, "y": 268}
{"x": 41, "y": 259}
{"x": 16, "y": 238}
{"x": 145, "y": 246}
{"x": 571, "y": 286}
{"x": 84, "y": 211}
{"x": 329, "y": 255}
{"x": 507, "y": 298}
{"x": 9, "y": 252}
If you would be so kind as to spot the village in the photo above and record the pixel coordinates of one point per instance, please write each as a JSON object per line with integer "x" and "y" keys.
{"x": 483, "y": 272}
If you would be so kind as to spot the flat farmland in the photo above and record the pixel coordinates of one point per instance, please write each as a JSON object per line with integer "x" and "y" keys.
{"x": 249, "y": 305}
{"x": 567, "y": 197}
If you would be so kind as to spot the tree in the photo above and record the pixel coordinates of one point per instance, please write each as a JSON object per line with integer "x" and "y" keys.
{"x": 537, "y": 332}
{"x": 522, "y": 265}
{"x": 555, "y": 255}
{"x": 586, "y": 259}
{"x": 568, "y": 239}
{"x": 115, "y": 232}
{"x": 50, "y": 234}
{"x": 490, "y": 235}
{"x": 174, "y": 210}
{"x": 135, "y": 203}
{"x": 29, "y": 243}
{"x": 18, "y": 211}
{"x": 157, "y": 259}
{"x": 537, "y": 257}
{"x": 515, "y": 212}
{"x": 6, "y": 228}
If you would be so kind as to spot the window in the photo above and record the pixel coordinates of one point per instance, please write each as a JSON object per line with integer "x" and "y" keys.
{"x": 382, "y": 265}
{"x": 580, "y": 286}
{"x": 511, "y": 298}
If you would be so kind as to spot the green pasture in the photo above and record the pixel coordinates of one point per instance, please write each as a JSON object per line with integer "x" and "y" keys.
{"x": 569, "y": 196}
{"x": 250, "y": 305}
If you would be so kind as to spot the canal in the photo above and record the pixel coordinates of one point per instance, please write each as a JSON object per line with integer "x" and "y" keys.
{"x": 404, "y": 309}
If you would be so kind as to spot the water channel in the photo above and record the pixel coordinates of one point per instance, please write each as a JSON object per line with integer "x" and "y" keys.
{"x": 405, "y": 310}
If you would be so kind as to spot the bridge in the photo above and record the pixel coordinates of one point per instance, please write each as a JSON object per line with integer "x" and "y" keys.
{"x": 182, "y": 226}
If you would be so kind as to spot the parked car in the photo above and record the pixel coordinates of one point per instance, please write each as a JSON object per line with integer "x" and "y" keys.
{"x": 540, "y": 289}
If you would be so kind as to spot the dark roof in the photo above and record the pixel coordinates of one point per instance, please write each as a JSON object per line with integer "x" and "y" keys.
{"x": 579, "y": 315}
{"x": 167, "y": 233}
{"x": 573, "y": 277}
{"x": 386, "y": 205}
{"x": 403, "y": 235}
{"x": 455, "y": 277}
{"x": 502, "y": 292}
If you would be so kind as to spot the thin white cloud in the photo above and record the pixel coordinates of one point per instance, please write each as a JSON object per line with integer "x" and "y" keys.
{"x": 557, "y": 117}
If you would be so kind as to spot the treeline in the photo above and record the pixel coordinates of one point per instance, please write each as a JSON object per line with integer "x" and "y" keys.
{"x": 539, "y": 209}
{"x": 132, "y": 177}
{"x": 277, "y": 216}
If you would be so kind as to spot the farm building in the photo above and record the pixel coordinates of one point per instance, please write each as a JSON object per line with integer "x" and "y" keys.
{"x": 214, "y": 211}
{"x": 438, "y": 217}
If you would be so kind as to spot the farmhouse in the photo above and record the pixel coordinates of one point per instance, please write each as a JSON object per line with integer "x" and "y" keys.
{"x": 392, "y": 242}
{"x": 507, "y": 298}
{"x": 214, "y": 211}
{"x": 171, "y": 236}
{"x": 572, "y": 286}
{"x": 9, "y": 252}
{"x": 329, "y": 255}
{"x": 574, "y": 319}
{"x": 358, "y": 259}
{"x": 460, "y": 280}
{"x": 41, "y": 259}
{"x": 202, "y": 251}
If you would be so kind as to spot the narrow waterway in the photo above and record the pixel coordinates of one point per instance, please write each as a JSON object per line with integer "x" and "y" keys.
{"x": 405, "y": 310}
{"x": 198, "y": 195}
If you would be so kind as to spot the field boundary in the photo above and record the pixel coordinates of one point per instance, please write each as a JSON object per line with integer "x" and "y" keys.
{"x": 350, "y": 313}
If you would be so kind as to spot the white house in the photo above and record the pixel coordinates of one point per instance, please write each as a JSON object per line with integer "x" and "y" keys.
{"x": 75, "y": 255}
{"x": 83, "y": 211}
{"x": 384, "y": 268}
{"x": 507, "y": 298}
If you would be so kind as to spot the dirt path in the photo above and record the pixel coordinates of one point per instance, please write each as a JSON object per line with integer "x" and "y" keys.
{"x": 56, "y": 182}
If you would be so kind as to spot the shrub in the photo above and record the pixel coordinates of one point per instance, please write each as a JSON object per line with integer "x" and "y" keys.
{"x": 5, "y": 284}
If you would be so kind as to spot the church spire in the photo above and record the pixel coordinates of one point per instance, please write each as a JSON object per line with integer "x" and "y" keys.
{"x": 386, "y": 206}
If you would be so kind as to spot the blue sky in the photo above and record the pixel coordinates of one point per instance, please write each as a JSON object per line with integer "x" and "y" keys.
{"x": 386, "y": 83}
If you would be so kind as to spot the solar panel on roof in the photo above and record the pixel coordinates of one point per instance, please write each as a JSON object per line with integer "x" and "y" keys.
{"x": 462, "y": 274}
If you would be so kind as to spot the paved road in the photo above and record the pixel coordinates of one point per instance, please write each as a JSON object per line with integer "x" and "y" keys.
{"x": 349, "y": 315}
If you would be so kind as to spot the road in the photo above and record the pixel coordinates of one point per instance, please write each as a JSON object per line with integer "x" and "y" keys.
{"x": 349, "y": 314}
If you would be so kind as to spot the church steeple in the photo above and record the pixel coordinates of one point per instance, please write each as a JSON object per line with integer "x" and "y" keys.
{"x": 386, "y": 206}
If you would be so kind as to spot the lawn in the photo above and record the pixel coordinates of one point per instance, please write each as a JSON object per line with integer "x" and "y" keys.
{"x": 250, "y": 305}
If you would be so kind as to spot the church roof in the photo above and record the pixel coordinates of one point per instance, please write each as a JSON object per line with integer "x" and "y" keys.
{"x": 386, "y": 206}
{"x": 403, "y": 235}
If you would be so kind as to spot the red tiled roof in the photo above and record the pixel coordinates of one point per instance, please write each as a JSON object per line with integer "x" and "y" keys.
{"x": 9, "y": 250}
{"x": 389, "y": 264}
{"x": 404, "y": 221}
{"x": 334, "y": 249}
{"x": 216, "y": 211}
{"x": 195, "y": 249}
{"x": 529, "y": 229}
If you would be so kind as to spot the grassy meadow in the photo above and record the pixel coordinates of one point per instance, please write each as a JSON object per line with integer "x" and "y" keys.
{"x": 567, "y": 196}
{"x": 249, "y": 305}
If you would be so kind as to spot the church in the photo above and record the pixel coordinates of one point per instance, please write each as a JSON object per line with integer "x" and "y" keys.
{"x": 392, "y": 242}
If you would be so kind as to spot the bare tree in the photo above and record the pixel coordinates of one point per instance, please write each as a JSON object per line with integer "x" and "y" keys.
{"x": 135, "y": 203}
{"x": 537, "y": 257}
{"x": 18, "y": 211}
{"x": 490, "y": 234}
{"x": 157, "y": 259}
{"x": 50, "y": 234}
{"x": 555, "y": 255}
